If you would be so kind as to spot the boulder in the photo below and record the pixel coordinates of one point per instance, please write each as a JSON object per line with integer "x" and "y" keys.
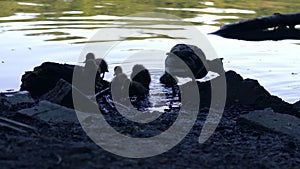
{"x": 16, "y": 100}
{"x": 44, "y": 77}
{"x": 61, "y": 94}
{"x": 50, "y": 113}
{"x": 53, "y": 82}
{"x": 297, "y": 105}
{"x": 250, "y": 92}
{"x": 268, "y": 120}
{"x": 275, "y": 27}
{"x": 64, "y": 94}
{"x": 245, "y": 92}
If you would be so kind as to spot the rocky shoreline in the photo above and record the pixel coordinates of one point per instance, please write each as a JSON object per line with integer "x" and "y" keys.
{"x": 40, "y": 129}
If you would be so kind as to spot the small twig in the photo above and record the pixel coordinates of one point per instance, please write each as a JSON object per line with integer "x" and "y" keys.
{"x": 101, "y": 92}
{"x": 15, "y": 125}
{"x": 12, "y": 127}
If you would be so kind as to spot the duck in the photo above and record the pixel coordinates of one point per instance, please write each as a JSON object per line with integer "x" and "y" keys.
{"x": 101, "y": 64}
{"x": 189, "y": 61}
{"x": 121, "y": 83}
{"x": 89, "y": 73}
{"x": 141, "y": 75}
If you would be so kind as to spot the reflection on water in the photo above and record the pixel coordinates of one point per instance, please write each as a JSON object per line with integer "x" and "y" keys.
{"x": 34, "y": 31}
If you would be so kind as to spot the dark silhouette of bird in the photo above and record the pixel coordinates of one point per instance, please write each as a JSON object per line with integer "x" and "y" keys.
{"x": 89, "y": 78}
{"x": 101, "y": 64}
{"x": 141, "y": 75}
{"x": 189, "y": 61}
{"x": 122, "y": 86}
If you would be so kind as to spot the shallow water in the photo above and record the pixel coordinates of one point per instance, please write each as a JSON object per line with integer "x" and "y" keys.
{"x": 34, "y": 31}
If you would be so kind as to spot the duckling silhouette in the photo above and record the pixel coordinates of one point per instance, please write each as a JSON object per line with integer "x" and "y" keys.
{"x": 88, "y": 76}
{"x": 118, "y": 83}
{"x": 183, "y": 58}
{"x": 193, "y": 58}
{"x": 121, "y": 85}
{"x": 101, "y": 64}
{"x": 90, "y": 67}
{"x": 141, "y": 75}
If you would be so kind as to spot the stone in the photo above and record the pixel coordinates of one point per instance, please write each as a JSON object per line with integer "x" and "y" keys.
{"x": 60, "y": 94}
{"x": 297, "y": 106}
{"x": 269, "y": 120}
{"x": 50, "y": 113}
{"x": 246, "y": 92}
{"x": 16, "y": 100}
{"x": 54, "y": 82}
{"x": 44, "y": 77}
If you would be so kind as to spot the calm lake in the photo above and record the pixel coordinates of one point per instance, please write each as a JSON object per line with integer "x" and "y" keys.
{"x": 123, "y": 31}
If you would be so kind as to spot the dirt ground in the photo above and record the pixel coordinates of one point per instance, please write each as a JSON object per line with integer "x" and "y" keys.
{"x": 66, "y": 145}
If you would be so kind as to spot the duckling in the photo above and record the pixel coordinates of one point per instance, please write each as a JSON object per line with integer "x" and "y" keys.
{"x": 138, "y": 90}
{"x": 101, "y": 64}
{"x": 121, "y": 84}
{"x": 194, "y": 59}
{"x": 119, "y": 78}
{"x": 88, "y": 76}
{"x": 117, "y": 84}
{"x": 90, "y": 67}
{"x": 141, "y": 75}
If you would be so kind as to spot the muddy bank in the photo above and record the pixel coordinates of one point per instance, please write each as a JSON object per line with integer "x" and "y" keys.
{"x": 42, "y": 130}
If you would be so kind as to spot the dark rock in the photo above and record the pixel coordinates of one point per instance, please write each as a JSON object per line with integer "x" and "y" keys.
{"x": 275, "y": 122}
{"x": 43, "y": 78}
{"x": 64, "y": 93}
{"x": 16, "y": 100}
{"x": 246, "y": 92}
{"x": 275, "y": 27}
{"x": 53, "y": 82}
{"x": 60, "y": 94}
{"x": 250, "y": 92}
{"x": 297, "y": 105}
{"x": 51, "y": 113}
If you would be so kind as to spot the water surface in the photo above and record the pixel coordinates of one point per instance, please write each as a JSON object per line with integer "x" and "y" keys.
{"x": 35, "y": 31}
